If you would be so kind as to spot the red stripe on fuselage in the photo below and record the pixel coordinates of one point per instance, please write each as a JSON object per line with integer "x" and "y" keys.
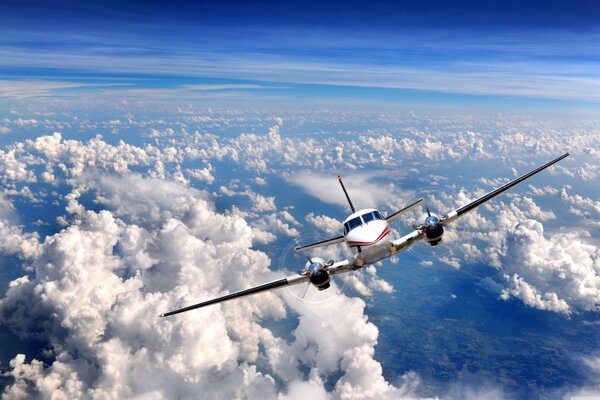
{"x": 381, "y": 236}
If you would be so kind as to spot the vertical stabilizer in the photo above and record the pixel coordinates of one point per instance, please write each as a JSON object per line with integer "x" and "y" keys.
{"x": 346, "y": 193}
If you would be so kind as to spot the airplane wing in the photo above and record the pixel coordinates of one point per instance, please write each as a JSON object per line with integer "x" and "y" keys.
{"x": 328, "y": 242}
{"x": 407, "y": 240}
{"x": 290, "y": 280}
{"x": 395, "y": 215}
{"x": 332, "y": 269}
{"x": 455, "y": 214}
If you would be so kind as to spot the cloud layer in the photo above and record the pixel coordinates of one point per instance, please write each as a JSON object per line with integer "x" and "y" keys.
{"x": 98, "y": 285}
{"x": 142, "y": 235}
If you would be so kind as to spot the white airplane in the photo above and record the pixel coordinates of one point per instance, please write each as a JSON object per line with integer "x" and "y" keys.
{"x": 367, "y": 233}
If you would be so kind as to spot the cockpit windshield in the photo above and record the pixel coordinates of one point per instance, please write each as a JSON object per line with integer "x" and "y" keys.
{"x": 371, "y": 216}
{"x": 353, "y": 223}
{"x": 357, "y": 221}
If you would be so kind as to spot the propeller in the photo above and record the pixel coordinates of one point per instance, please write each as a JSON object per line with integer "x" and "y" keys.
{"x": 316, "y": 270}
{"x": 305, "y": 291}
{"x": 432, "y": 227}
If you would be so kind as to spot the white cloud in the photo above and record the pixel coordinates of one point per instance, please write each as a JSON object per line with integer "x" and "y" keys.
{"x": 208, "y": 87}
{"x": 546, "y": 190}
{"x": 161, "y": 244}
{"x": 98, "y": 286}
{"x": 330, "y": 226}
{"x": 581, "y": 205}
{"x": 107, "y": 323}
{"x": 12, "y": 239}
{"x": 202, "y": 174}
{"x": 275, "y": 223}
{"x": 525, "y": 76}
{"x": 23, "y": 89}
{"x": 260, "y": 203}
{"x": 560, "y": 272}
{"x": 591, "y": 390}
{"x": 12, "y": 169}
{"x": 362, "y": 188}
{"x": 137, "y": 197}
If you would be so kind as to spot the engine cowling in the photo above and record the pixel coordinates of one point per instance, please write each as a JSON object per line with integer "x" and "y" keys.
{"x": 317, "y": 275}
{"x": 433, "y": 230}
{"x": 320, "y": 279}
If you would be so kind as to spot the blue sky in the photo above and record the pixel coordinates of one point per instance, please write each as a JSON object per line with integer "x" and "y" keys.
{"x": 521, "y": 56}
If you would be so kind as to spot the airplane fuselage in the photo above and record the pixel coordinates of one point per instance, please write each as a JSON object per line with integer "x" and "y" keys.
{"x": 367, "y": 232}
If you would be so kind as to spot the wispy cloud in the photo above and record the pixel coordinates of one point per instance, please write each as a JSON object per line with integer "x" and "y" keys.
{"x": 553, "y": 65}
{"x": 22, "y": 89}
{"x": 224, "y": 86}
{"x": 364, "y": 189}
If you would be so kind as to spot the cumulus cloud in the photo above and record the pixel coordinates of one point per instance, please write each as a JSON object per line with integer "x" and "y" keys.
{"x": 581, "y": 206}
{"x": 276, "y": 223}
{"x": 559, "y": 273}
{"x": 548, "y": 270}
{"x": 202, "y": 174}
{"x": 546, "y": 190}
{"x": 100, "y": 309}
{"x": 154, "y": 244}
{"x": 330, "y": 226}
{"x": 99, "y": 284}
{"x": 12, "y": 239}
{"x": 260, "y": 203}
{"x": 12, "y": 169}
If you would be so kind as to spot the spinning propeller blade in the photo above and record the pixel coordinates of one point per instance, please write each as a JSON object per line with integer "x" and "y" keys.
{"x": 305, "y": 291}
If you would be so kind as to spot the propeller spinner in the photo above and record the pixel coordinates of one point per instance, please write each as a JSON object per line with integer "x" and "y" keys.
{"x": 316, "y": 270}
{"x": 432, "y": 227}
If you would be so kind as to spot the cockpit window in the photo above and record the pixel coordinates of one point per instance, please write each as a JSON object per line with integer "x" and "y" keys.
{"x": 353, "y": 223}
{"x": 371, "y": 216}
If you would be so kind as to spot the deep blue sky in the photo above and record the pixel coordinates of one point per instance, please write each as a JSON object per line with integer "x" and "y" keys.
{"x": 519, "y": 54}
{"x": 477, "y": 15}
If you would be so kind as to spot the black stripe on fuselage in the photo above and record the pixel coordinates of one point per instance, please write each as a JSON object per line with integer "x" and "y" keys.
{"x": 241, "y": 293}
{"x": 501, "y": 189}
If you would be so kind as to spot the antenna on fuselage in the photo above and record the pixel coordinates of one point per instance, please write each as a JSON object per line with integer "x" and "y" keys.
{"x": 346, "y": 193}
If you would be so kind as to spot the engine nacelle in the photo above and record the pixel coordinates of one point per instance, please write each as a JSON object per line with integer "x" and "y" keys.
{"x": 318, "y": 277}
{"x": 434, "y": 236}
{"x": 433, "y": 230}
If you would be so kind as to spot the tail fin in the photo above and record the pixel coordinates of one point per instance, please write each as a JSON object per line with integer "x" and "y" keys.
{"x": 346, "y": 193}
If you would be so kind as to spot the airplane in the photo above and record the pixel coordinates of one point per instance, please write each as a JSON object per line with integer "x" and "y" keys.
{"x": 366, "y": 232}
